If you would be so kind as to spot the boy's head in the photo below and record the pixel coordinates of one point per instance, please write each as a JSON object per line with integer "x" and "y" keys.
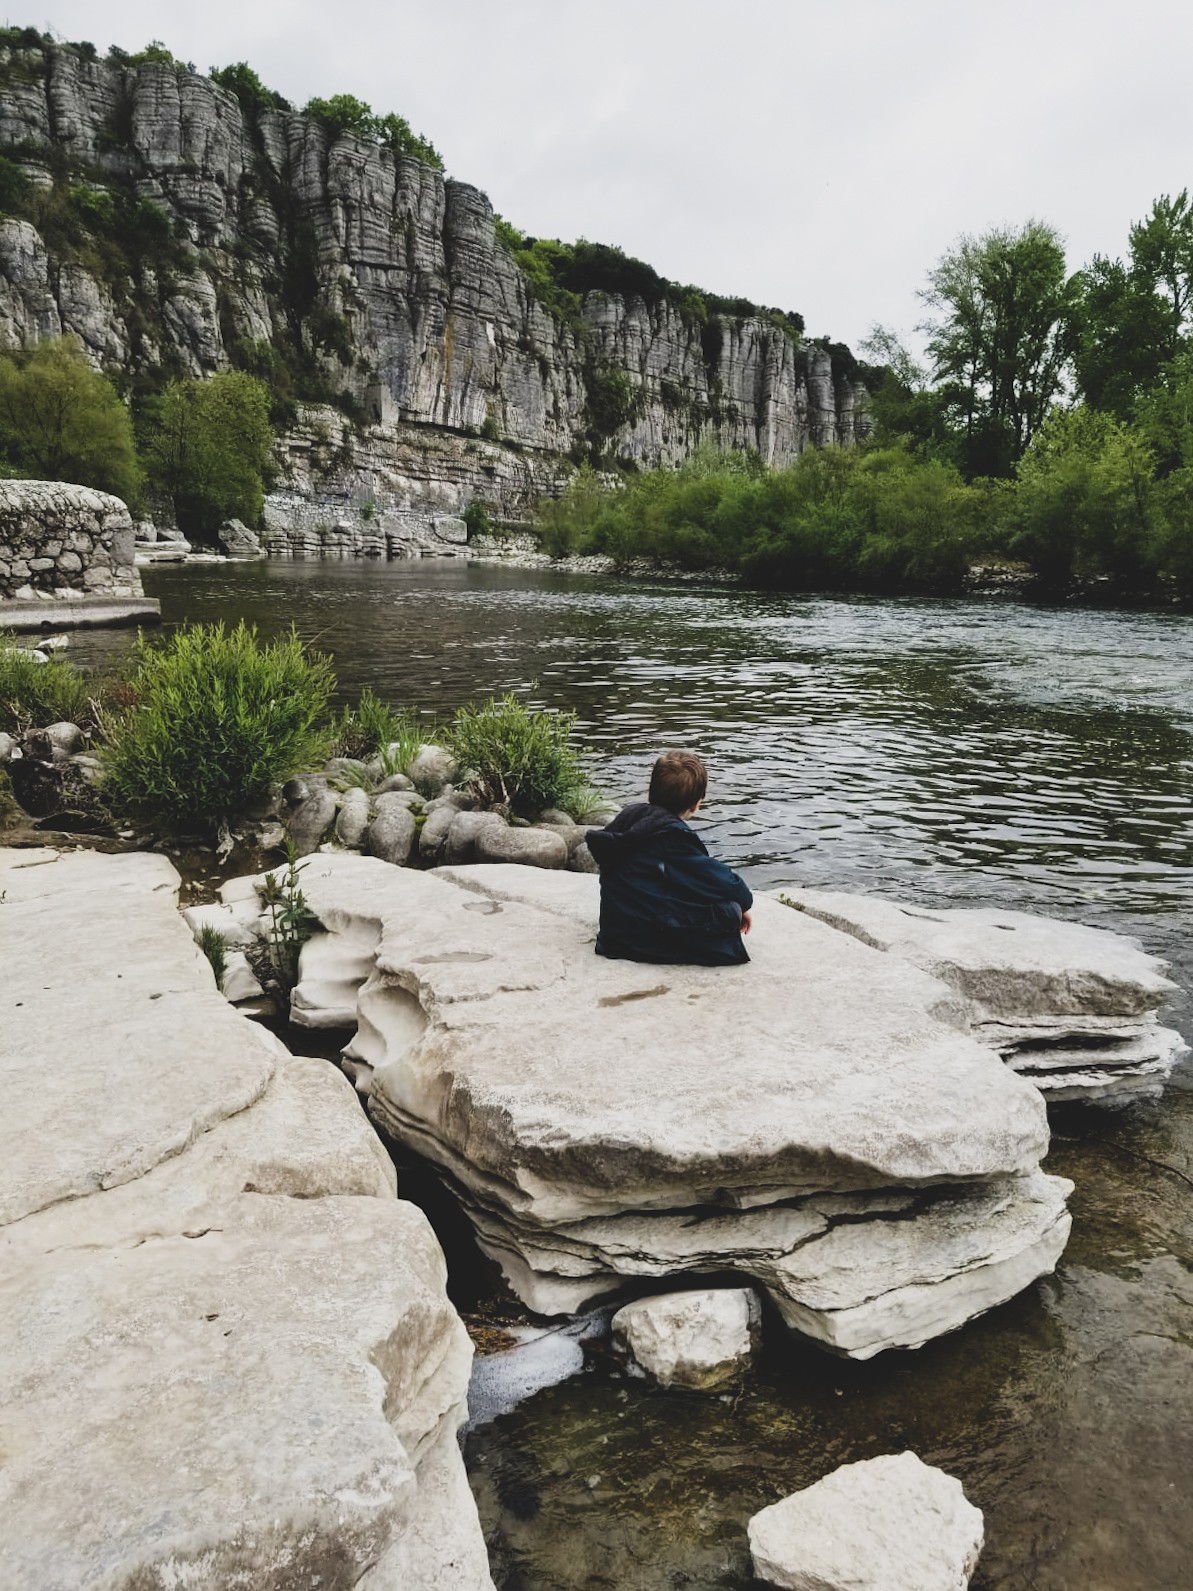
{"x": 678, "y": 781}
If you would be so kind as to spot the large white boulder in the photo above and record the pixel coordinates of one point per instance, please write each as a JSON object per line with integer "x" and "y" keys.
{"x": 602, "y": 1121}
{"x": 221, "y": 1334}
{"x": 699, "y": 1340}
{"x": 885, "y": 1524}
{"x": 1070, "y": 1007}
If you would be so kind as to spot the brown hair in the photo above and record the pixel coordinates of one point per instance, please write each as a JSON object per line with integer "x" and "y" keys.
{"x": 677, "y": 781}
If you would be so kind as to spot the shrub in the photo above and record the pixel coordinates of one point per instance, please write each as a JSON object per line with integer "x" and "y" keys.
{"x": 516, "y": 757}
{"x": 34, "y": 694}
{"x": 476, "y": 518}
{"x": 220, "y": 717}
{"x": 372, "y": 726}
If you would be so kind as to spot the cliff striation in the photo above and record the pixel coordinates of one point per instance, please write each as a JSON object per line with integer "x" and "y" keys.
{"x": 174, "y": 229}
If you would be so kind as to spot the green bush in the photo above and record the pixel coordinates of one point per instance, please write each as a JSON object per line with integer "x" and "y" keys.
{"x": 513, "y": 756}
{"x": 371, "y": 727}
{"x": 836, "y": 519}
{"x": 34, "y": 694}
{"x": 62, "y": 421}
{"x": 219, "y": 717}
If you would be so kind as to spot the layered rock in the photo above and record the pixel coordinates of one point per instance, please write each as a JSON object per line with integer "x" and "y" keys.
{"x": 411, "y": 305}
{"x": 222, "y": 1336}
{"x": 812, "y": 1120}
{"x": 64, "y": 541}
{"x": 1071, "y": 1008}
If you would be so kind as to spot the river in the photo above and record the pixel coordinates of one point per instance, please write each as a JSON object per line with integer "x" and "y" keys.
{"x": 950, "y": 753}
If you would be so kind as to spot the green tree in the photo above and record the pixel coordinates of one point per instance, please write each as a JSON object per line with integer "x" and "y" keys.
{"x": 1086, "y": 504}
{"x": 240, "y": 79}
{"x": 904, "y": 408}
{"x": 60, "y": 420}
{"x": 207, "y": 445}
{"x": 1120, "y": 336}
{"x": 1133, "y": 319}
{"x": 1162, "y": 258}
{"x": 1000, "y": 338}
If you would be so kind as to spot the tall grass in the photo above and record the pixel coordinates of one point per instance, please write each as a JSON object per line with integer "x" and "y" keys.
{"x": 513, "y": 756}
{"x": 220, "y": 716}
{"x": 34, "y": 694}
{"x": 375, "y": 729}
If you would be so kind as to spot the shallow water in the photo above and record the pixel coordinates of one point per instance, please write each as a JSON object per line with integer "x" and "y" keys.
{"x": 946, "y": 752}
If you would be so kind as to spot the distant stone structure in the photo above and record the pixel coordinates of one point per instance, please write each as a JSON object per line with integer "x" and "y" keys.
{"x": 62, "y": 541}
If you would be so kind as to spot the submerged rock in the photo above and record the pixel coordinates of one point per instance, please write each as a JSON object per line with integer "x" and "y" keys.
{"x": 817, "y": 1119}
{"x": 698, "y": 1340}
{"x": 885, "y": 1524}
{"x": 220, "y": 1332}
{"x": 1071, "y": 1008}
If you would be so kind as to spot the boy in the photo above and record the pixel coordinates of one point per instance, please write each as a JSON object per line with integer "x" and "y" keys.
{"x": 663, "y": 897}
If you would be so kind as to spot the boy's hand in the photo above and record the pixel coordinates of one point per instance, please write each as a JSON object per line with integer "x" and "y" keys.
{"x": 747, "y": 921}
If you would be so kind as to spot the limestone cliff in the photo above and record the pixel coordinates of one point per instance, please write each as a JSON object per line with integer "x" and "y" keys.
{"x": 171, "y": 227}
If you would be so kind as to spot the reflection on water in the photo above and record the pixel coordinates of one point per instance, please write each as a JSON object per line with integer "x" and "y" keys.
{"x": 949, "y": 752}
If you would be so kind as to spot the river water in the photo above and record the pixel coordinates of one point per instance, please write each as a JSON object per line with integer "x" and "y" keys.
{"x": 945, "y": 752}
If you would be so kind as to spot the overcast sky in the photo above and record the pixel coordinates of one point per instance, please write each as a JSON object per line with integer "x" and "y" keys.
{"x": 815, "y": 156}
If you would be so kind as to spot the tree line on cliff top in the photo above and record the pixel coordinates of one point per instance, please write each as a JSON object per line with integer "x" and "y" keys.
{"x": 1052, "y": 428}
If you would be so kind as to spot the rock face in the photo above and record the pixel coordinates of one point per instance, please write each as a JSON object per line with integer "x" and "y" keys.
{"x": 698, "y": 1340}
{"x": 1071, "y": 1008}
{"x": 220, "y": 1332}
{"x": 413, "y": 306}
{"x": 886, "y": 1524}
{"x": 64, "y": 541}
{"x": 811, "y": 1120}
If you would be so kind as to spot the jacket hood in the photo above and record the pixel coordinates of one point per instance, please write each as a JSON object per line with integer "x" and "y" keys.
{"x": 632, "y": 827}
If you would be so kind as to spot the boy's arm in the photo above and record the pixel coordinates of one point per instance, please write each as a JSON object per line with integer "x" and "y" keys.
{"x": 710, "y": 880}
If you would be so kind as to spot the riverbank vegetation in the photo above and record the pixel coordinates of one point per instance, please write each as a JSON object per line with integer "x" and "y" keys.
{"x": 209, "y": 721}
{"x": 216, "y": 718}
{"x": 1052, "y": 431}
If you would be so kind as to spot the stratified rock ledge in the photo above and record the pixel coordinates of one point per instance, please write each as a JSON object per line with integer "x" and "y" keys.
{"x": 1070, "y": 1008}
{"x": 813, "y": 1120}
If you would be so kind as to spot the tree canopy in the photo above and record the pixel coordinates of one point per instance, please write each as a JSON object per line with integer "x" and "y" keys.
{"x": 999, "y": 338}
{"x": 60, "y": 420}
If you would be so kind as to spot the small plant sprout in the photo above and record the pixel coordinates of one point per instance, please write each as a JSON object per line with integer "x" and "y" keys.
{"x": 291, "y": 921}
{"x": 214, "y": 946}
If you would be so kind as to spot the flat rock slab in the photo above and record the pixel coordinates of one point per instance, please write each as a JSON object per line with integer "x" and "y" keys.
{"x": 886, "y": 1524}
{"x": 1071, "y": 1007}
{"x": 228, "y": 1356}
{"x": 116, "y": 1056}
{"x": 606, "y": 1120}
{"x": 1014, "y": 965}
{"x": 587, "y": 1086}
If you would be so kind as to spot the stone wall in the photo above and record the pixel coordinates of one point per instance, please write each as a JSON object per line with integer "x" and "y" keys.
{"x": 58, "y": 540}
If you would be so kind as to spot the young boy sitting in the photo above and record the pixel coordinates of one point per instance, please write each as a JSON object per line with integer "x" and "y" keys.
{"x": 663, "y": 897}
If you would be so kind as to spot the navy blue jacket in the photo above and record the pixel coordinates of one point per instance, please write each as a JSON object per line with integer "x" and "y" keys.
{"x": 663, "y": 897}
